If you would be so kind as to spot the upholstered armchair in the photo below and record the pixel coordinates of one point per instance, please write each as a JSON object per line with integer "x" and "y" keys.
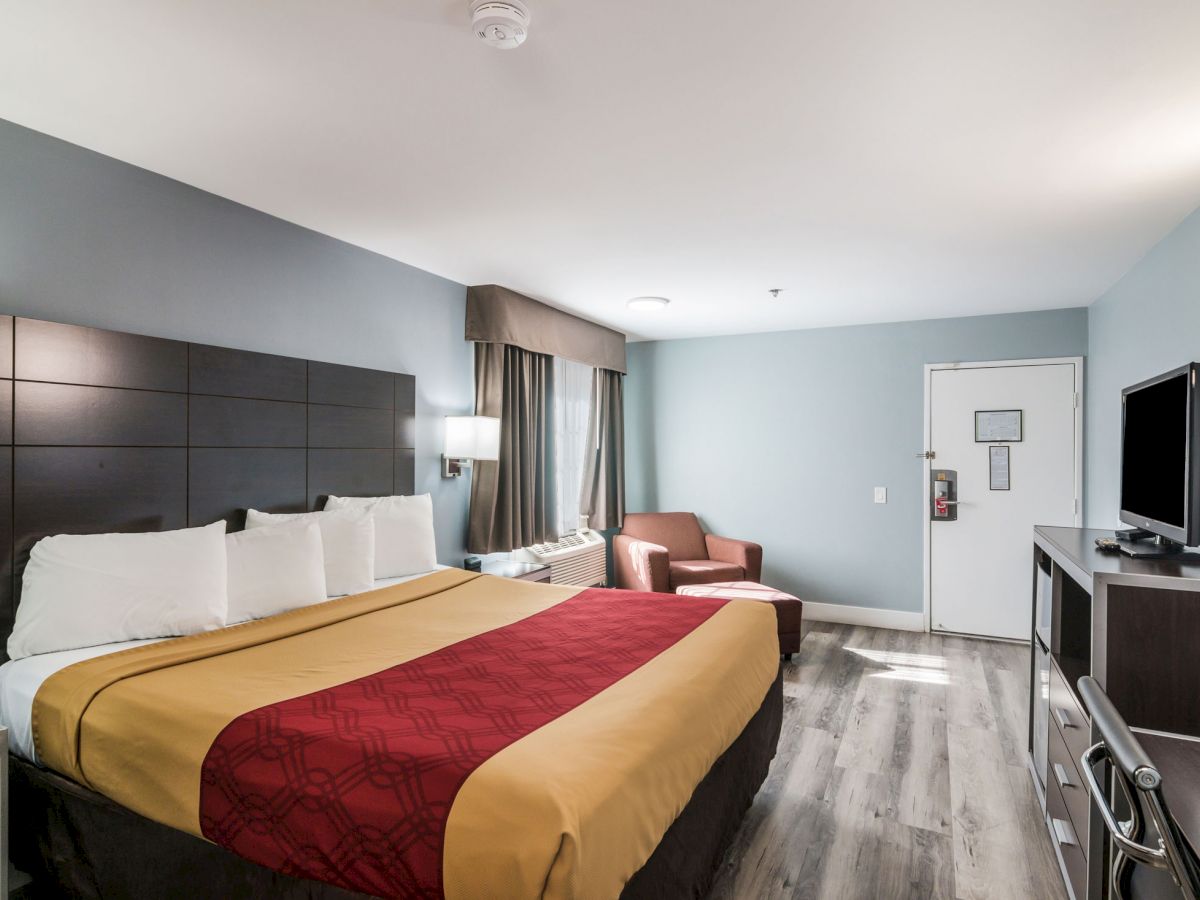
{"x": 662, "y": 551}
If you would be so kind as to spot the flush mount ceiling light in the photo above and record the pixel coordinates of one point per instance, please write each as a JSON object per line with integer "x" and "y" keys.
{"x": 503, "y": 24}
{"x": 648, "y": 304}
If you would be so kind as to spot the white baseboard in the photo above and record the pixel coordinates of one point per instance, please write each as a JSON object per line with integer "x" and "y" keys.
{"x": 864, "y": 615}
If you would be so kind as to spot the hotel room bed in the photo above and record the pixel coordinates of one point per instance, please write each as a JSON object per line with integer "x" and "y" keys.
{"x": 456, "y": 735}
{"x": 453, "y": 735}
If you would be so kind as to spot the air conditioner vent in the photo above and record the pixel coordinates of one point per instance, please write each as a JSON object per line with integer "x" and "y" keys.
{"x": 563, "y": 543}
{"x": 573, "y": 559}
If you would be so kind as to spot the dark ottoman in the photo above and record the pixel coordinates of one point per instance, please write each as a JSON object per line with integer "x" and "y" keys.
{"x": 789, "y": 611}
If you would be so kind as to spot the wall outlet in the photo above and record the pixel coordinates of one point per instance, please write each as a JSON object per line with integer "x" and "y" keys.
{"x": 881, "y": 495}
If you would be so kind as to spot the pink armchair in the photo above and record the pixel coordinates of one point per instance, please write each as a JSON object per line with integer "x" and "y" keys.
{"x": 662, "y": 551}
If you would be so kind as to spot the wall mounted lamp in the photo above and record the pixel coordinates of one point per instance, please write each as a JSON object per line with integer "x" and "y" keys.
{"x": 469, "y": 438}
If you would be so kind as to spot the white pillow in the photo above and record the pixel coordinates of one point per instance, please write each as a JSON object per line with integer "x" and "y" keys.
{"x": 404, "y": 543}
{"x": 83, "y": 590}
{"x": 348, "y": 539}
{"x": 274, "y": 569}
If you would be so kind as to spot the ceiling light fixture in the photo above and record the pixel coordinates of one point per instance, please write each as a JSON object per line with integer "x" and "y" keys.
{"x": 775, "y": 292}
{"x": 648, "y": 304}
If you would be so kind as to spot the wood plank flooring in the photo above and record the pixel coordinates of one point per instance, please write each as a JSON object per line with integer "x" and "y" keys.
{"x": 900, "y": 774}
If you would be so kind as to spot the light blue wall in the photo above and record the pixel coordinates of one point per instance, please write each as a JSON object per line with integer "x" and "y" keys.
{"x": 780, "y": 438}
{"x": 89, "y": 240}
{"x": 1147, "y": 323}
{"x": 732, "y": 427}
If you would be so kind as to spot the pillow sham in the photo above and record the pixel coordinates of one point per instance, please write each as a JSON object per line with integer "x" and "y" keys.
{"x": 84, "y": 590}
{"x": 404, "y": 540}
{"x": 348, "y": 541}
{"x": 274, "y": 568}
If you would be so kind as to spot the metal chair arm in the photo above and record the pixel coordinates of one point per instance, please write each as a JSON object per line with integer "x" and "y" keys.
{"x": 1150, "y": 856}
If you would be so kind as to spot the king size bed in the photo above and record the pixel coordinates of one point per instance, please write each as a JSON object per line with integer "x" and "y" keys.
{"x": 439, "y": 735}
{"x": 457, "y": 736}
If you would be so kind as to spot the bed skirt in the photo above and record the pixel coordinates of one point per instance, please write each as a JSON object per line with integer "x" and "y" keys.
{"x": 77, "y": 843}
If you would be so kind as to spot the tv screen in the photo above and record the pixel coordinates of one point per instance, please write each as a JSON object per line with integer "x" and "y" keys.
{"x": 1155, "y": 445}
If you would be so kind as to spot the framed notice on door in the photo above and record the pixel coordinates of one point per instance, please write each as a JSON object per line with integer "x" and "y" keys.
{"x": 997, "y": 425}
{"x": 998, "y": 471}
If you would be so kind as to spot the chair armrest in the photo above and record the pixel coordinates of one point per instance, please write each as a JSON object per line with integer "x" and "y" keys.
{"x": 640, "y": 565}
{"x": 746, "y": 554}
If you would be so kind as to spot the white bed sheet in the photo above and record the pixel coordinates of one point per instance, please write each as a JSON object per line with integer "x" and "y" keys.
{"x": 21, "y": 678}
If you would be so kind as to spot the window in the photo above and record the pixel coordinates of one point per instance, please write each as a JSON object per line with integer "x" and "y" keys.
{"x": 572, "y": 403}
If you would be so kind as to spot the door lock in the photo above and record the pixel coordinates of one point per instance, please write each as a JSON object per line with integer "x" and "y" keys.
{"x": 943, "y": 495}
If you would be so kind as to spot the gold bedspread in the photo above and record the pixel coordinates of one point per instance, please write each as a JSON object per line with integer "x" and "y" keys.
{"x": 572, "y": 809}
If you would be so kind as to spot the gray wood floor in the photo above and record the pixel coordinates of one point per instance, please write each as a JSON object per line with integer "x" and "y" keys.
{"x": 900, "y": 774}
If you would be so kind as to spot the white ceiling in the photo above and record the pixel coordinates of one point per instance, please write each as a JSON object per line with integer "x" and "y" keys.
{"x": 880, "y": 160}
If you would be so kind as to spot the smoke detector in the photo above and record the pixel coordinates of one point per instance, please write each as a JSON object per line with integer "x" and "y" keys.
{"x": 503, "y": 24}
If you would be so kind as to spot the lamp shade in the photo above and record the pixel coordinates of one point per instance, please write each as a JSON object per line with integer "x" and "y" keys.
{"x": 472, "y": 437}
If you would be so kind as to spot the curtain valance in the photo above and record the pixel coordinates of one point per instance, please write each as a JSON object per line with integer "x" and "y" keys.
{"x": 497, "y": 315}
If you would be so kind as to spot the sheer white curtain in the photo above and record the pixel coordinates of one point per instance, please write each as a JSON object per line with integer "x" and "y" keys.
{"x": 572, "y": 403}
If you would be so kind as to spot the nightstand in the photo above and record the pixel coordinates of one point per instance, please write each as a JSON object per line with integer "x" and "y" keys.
{"x": 518, "y": 570}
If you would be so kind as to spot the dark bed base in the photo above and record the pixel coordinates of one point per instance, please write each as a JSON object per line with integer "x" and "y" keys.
{"x": 77, "y": 843}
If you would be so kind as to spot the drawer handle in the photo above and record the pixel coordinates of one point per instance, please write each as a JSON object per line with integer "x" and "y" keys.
{"x": 1064, "y": 717}
{"x": 1064, "y": 833}
{"x": 1061, "y": 776}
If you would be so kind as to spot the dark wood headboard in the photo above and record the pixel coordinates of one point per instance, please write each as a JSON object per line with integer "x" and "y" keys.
{"x": 106, "y": 431}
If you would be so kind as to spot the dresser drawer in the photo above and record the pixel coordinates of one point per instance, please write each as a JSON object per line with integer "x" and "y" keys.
{"x": 1067, "y": 840}
{"x": 1064, "y": 773}
{"x": 1067, "y": 716}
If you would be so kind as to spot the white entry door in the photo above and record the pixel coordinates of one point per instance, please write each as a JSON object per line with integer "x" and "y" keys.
{"x": 980, "y": 564}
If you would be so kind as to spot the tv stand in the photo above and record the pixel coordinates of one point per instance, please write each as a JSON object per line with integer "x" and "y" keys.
{"x": 1130, "y": 624}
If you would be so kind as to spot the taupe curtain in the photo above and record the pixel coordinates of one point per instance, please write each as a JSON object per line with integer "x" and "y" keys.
{"x": 603, "y": 498}
{"x": 512, "y": 500}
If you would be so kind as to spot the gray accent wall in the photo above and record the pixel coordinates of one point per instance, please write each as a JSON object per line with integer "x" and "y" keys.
{"x": 780, "y": 438}
{"x": 89, "y": 240}
{"x": 1146, "y": 324}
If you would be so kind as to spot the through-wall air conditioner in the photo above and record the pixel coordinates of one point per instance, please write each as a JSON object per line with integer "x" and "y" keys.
{"x": 577, "y": 558}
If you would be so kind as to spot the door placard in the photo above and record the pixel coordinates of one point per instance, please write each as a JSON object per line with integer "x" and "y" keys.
{"x": 998, "y": 469}
{"x": 998, "y": 425}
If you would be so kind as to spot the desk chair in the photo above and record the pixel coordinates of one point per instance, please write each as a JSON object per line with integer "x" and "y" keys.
{"x": 1163, "y": 865}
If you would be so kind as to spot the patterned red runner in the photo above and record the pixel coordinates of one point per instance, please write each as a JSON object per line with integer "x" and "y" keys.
{"x": 353, "y": 785}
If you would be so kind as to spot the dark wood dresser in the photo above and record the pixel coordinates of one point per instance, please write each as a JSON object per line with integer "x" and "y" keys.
{"x": 1134, "y": 625}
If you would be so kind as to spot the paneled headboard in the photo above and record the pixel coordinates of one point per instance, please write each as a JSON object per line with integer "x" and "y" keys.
{"x": 107, "y": 431}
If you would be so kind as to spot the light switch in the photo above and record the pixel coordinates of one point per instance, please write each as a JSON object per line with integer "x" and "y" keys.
{"x": 881, "y": 495}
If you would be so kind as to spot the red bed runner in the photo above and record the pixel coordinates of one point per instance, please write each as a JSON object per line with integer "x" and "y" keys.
{"x": 353, "y": 785}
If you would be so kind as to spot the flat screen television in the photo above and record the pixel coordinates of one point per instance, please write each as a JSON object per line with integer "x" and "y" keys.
{"x": 1160, "y": 475}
